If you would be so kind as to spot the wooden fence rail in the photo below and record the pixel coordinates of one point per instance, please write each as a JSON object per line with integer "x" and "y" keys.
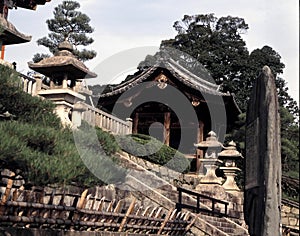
{"x": 81, "y": 216}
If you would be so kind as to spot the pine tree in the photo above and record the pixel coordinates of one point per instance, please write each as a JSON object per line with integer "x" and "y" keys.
{"x": 68, "y": 24}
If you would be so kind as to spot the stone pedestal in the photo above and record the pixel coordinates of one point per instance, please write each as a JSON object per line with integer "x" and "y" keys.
{"x": 230, "y": 185}
{"x": 64, "y": 100}
{"x": 210, "y": 177}
{"x": 77, "y": 114}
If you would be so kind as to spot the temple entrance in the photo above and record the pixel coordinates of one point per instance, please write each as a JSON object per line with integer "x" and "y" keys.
{"x": 158, "y": 121}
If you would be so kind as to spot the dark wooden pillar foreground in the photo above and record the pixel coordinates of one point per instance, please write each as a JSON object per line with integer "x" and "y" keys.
{"x": 200, "y": 138}
{"x": 135, "y": 123}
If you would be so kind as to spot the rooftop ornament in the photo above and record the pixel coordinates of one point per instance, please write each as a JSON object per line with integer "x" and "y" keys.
{"x": 195, "y": 102}
{"x": 161, "y": 81}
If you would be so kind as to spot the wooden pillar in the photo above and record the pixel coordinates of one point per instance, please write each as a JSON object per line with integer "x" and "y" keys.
{"x": 167, "y": 123}
{"x": 200, "y": 138}
{"x": 2, "y": 51}
{"x": 135, "y": 123}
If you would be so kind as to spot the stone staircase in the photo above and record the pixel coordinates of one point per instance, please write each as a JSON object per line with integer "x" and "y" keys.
{"x": 225, "y": 225}
{"x": 166, "y": 196}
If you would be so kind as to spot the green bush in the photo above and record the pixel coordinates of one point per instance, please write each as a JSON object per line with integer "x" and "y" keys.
{"x": 107, "y": 141}
{"x": 43, "y": 154}
{"x": 154, "y": 151}
{"x": 23, "y": 106}
{"x": 36, "y": 144}
{"x": 46, "y": 155}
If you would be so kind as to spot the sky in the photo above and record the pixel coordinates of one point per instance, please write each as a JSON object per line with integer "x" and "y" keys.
{"x": 128, "y": 24}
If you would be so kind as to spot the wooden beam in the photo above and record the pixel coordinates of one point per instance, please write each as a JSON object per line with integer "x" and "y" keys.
{"x": 167, "y": 123}
{"x": 190, "y": 224}
{"x": 165, "y": 222}
{"x": 6, "y": 194}
{"x": 129, "y": 211}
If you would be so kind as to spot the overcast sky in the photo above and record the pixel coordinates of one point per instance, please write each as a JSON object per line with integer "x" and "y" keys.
{"x": 127, "y": 24}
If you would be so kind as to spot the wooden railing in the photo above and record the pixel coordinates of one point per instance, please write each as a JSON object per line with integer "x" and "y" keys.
{"x": 213, "y": 211}
{"x": 106, "y": 121}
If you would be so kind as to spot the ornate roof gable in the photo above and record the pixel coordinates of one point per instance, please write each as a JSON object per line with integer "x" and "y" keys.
{"x": 179, "y": 73}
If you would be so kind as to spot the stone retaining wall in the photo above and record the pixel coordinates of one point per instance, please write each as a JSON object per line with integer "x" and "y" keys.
{"x": 290, "y": 216}
{"x": 9, "y": 231}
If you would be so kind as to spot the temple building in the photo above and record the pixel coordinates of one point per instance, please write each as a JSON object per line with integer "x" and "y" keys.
{"x": 149, "y": 98}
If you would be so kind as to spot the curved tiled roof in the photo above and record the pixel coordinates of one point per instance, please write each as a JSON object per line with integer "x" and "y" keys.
{"x": 10, "y": 34}
{"x": 179, "y": 72}
{"x": 29, "y": 4}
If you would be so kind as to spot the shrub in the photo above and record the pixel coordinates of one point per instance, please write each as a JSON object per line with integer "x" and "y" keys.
{"x": 44, "y": 155}
{"x": 152, "y": 150}
{"x": 23, "y": 106}
{"x": 107, "y": 141}
{"x": 37, "y": 145}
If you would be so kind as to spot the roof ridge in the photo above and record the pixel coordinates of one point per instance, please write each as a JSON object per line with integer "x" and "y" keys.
{"x": 176, "y": 64}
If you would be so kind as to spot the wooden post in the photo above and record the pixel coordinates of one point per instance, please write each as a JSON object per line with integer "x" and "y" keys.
{"x": 165, "y": 222}
{"x": 82, "y": 199}
{"x": 80, "y": 204}
{"x": 101, "y": 204}
{"x": 129, "y": 211}
{"x": 190, "y": 225}
{"x": 6, "y": 194}
{"x": 135, "y": 123}
{"x": 167, "y": 123}
{"x": 179, "y": 200}
{"x": 198, "y": 204}
{"x": 2, "y": 51}
{"x": 118, "y": 207}
{"x": 200, "y": 138}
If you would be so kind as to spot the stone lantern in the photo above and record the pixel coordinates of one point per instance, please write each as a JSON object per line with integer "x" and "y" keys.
{"x": 66, "y": 73}
{"x": 229, "y": 156}
{"x": 211, "y": 146}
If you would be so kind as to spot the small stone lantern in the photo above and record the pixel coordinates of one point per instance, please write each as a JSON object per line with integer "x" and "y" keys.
{"x": 230, "y": 155}
{"x": 211, "y": 146}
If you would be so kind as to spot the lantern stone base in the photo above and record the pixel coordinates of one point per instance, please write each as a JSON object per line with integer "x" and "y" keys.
{"x": 230, "y": 185}
{"x": 210, "y": 177}
{"x": 64, "y": 100}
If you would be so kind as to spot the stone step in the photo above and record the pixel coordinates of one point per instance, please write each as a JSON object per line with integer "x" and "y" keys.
{"x": 224, "y": 225}
{"x": 167, "y": 196}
